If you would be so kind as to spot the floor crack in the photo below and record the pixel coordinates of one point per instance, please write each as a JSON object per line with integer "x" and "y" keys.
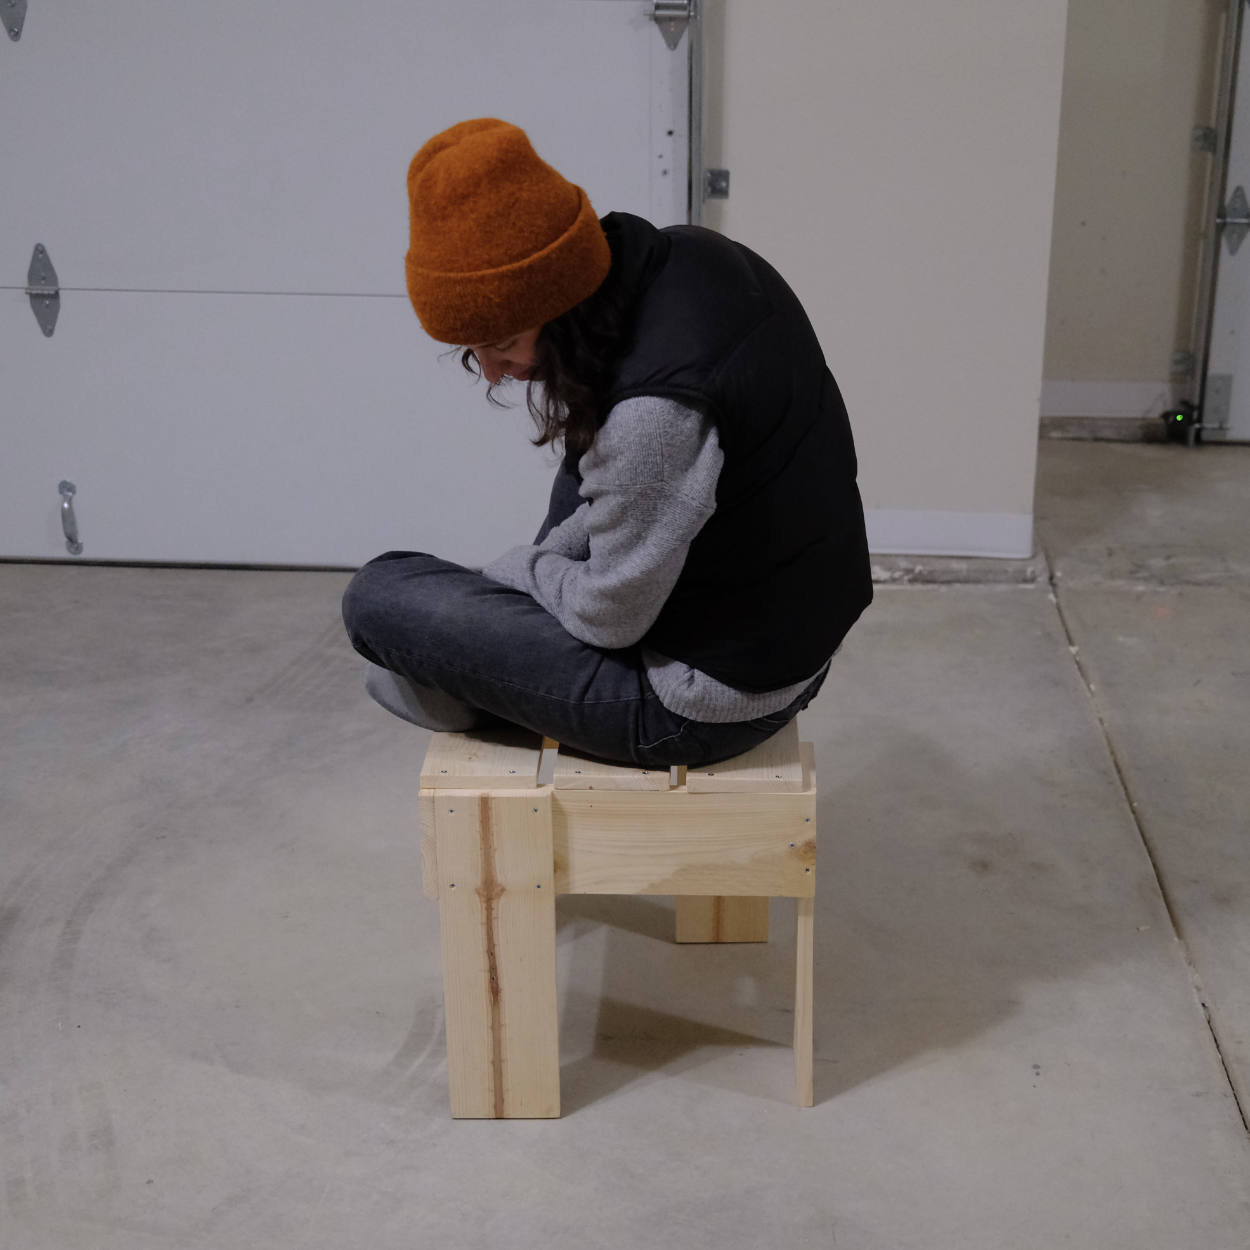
{"x": 1194, "y": 978}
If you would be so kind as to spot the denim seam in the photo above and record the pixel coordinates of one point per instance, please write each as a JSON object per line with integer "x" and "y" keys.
{"x": 659, "y": 742}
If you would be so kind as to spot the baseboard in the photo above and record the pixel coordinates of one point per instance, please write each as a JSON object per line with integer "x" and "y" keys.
{"x": 1105, "y": 399}
{"x": 958, "y": 571}
{"x": 1104, "y": 429}
{"x": 900, "y": 531}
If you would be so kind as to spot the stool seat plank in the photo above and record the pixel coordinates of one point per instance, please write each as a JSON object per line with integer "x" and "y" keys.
{"x": 577, "y": 772}
{"x": 497, "y": 759}
{"x": 775, "y": 766}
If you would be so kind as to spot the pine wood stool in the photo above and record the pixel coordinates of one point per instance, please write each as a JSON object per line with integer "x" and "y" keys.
{"x": 498, "y": 844}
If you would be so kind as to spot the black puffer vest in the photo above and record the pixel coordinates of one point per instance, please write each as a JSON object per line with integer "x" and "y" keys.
{"x": 780, "y": 572}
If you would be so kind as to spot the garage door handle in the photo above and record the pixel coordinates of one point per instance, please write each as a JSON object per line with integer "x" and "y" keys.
{"x": 69, "y": 523}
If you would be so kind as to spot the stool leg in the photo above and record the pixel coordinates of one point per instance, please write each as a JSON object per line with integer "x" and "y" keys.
{"x": 804, "y": 1000}
{"x": 496, "y": 895}
{"x": 721, "y": 918}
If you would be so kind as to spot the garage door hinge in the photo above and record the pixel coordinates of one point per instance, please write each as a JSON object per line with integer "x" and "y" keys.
{"x": 1234, "y": 218}
{"x": 716, "y": 184}
{"x": 672, "y": 18}
{"x": 13, "y": 14}
{"x": 42, "y": 287}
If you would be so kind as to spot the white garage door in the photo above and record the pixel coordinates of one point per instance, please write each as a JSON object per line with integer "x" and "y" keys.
{"x": 236, "y": 374}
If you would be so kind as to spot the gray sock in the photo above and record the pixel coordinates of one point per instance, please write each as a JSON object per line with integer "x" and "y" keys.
{"x": 420, "y": 705}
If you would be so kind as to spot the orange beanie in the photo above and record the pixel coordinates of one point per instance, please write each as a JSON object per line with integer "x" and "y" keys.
{"x": 499, "y": 241}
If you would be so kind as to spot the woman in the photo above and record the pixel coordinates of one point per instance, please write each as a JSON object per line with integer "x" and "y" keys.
{"x": 703, "y": 554}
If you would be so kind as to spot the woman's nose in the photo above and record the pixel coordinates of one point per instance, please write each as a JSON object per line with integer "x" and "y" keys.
{"x": 493, "y": 367}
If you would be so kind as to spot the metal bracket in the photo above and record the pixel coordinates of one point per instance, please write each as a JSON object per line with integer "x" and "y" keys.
{"x": 43, "y": 289}
{"x": 13, "y": 14}
{"x": 1235, "y": 218}
{"x": 716, "y": 184}
{"x": 672, "y": 17}
{"x": 69, "y": 523}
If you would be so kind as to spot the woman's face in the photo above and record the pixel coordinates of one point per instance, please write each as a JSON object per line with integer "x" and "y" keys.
{"x": 513, "y": 357}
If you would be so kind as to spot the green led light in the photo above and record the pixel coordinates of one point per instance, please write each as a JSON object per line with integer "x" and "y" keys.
{"x": 1180, "y": 416}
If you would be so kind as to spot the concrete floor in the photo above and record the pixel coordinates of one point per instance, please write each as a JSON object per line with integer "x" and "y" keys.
{"x": 220, "y": 1004}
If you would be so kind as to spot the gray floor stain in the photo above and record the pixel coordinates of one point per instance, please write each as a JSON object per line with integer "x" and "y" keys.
{"x": 318, "y": 667}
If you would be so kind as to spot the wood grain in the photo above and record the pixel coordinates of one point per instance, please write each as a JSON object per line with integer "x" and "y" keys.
{"x": 497, "y": 913}
{"x": 648, "y": 842}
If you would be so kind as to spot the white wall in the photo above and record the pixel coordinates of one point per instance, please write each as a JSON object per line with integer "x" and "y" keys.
{"x": 1129, "y": 202}
{"x": 896, "y": 162}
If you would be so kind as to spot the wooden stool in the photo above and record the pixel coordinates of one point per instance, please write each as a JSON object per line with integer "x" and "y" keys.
{"x": 498, "y": 844}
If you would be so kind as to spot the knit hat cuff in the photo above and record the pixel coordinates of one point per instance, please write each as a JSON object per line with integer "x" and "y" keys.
{"x": 490, "y": 305}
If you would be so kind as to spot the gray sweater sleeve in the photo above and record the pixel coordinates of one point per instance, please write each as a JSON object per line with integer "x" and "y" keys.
{"x": 571, "y": 538}
{"x": 649, "y": 483}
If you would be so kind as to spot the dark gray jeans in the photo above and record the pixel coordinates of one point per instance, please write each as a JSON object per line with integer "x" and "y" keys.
{"x": 447, "y": 628}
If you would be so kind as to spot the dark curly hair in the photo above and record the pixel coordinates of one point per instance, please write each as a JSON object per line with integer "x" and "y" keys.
{"x": 576, "y": 355}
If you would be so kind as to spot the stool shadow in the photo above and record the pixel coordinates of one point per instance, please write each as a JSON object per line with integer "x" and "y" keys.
{"x": 950, "y": 882}
{"x": 616, "y": 998}
{"x": 631, "y": 1041}
{"x": 632, "y": 913}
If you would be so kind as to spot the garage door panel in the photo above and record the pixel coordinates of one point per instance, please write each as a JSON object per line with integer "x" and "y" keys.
{"x": 246, "y": 147}
{"x": 313, "y": 430}
{"x": 236, "y": 374}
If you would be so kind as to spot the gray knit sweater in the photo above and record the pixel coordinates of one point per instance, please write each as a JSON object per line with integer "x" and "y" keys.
{"x": 649, "y": 485}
